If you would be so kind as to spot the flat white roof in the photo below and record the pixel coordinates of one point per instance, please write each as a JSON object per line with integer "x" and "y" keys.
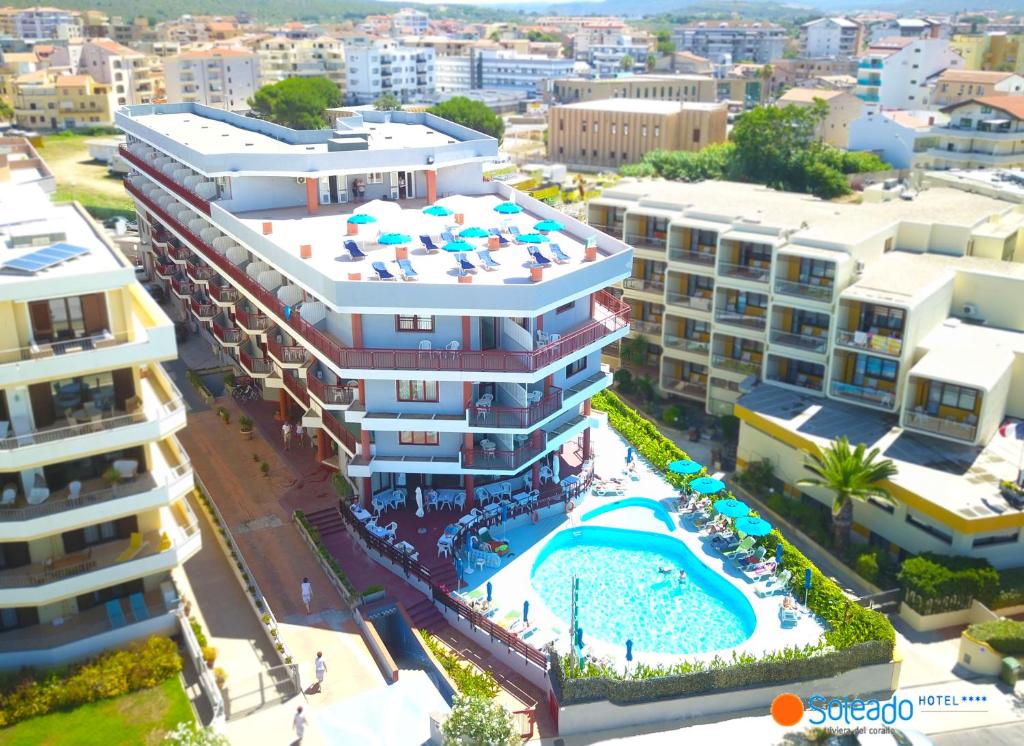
{"x": 641, "y": 106}
{"x": 978, "y": 366}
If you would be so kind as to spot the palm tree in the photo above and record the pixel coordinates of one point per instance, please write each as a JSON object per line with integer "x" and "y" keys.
{"x": 633, "y": 350}
{"x": 765, "y": 74}
{"x": 849, "y": 474}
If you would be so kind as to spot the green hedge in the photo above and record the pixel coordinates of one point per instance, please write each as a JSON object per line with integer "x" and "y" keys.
{"x": 1011, "y": 588}
{"x": 936, "y": 583}
{"x": 1005, "y": 635}
{"x": 322, "y": 551}
{"x": 112, "y": 674}
{"x": 465, "y": 676}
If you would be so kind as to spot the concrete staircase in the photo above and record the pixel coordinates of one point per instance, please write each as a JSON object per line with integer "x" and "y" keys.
{"x": 327, "y": 521}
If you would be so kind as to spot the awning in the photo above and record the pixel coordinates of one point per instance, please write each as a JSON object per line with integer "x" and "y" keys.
{"x": 979, "y": 366}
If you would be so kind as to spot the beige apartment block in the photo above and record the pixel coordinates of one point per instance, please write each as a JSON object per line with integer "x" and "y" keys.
{"x": 898, "y": 321}
{"x": 223, "y": 78}
{"x": 843, "y": 108}
{"x": 955, "y": 86}
{"x": 281, "y": 58}
{"x": 693, "y": 88}
{"x": 51, "y": 100}
{"x": 135, "y": 78}
{"x": 983, "y": 132}
{"x": 617, "y": 131}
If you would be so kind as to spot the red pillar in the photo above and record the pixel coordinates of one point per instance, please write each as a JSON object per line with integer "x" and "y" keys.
{"x": 312, "y": 195}
{"x": 323, "y": 446}
{"x": 366, "y": 492}
{"x": 431, "y": 187}
{"x": 467, "y": 460}
{"x": 282, "y": 405}
{"x": 364, "y": 443}
{"x": 535, "y": 474}
{"x": 467, "y": 333}
{"x": 469, "y": 490}
{"x": 357, "y": 330}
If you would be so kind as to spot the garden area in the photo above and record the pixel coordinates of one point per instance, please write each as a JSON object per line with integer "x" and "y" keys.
{"x": 83, "y": 179}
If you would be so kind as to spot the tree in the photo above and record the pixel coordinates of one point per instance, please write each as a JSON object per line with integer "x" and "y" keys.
{"x": 765, "y": 74}
{"x": 627, "y": 63}
{"x": 849, "y": 474}
{"x": 476, "y": 721}
{"x": 6, "y": 112}
{"x": 298, "y": 103}
{"x": 651, "y": 62}
{"x": 387, "y": 102}
{"x": 473, "y": 114}
{"x": 633, "y": 350}
{"x": 665, "y": 45}
{"x": 535, "y": 35}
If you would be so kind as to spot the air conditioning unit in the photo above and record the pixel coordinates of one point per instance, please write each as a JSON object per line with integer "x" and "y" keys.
{"x": 969, "y": 309}
{"x": 300, "y": 179}
{"x": 858, "y": 267}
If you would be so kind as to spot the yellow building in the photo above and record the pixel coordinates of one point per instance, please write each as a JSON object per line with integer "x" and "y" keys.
{"x": 994, "y": 51}
{"x": 50, "y": 100}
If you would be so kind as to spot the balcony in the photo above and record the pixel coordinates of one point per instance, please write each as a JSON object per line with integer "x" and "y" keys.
{"x": 865, "y": 394}
{"x": 689, "y": 389}
{"x": 645, "y": 241}
{"x": 638, "y": 285}
{"x": 182, "y": 287}
{"x": 198, "y": 272}
{"x": 257, "y": 367}
{"x": 873, "y": 341}
{"x": 178, "y": 254}
{"x": 643, "y": 326}
{"x": 744, "y": 320}
{"x": 328, "y": 394}
{"x": 805, "y": 342}
{"x": 516, "y": 418}
{"x": 692, "y": 302}
{"x": 224, "y": 295}
{"x": 345, "y": 437}
{"x": 501, "y": 460}
{"x": 253, "y": 322}
{"x": 229, "y": 336}
{"x": 747, "y": 367}
{"x": 950, "y": 428}
{"x": 288, "y": 355}
{"x": 165, "y": 270}
{"x": 202, "y": 310}
{"x": 673, "y": 342}
{"x": 296, "y": 387}
{"x": 805, "y": 290}
{"x": 154, "y": 173}
{"x": 744, "y": 271}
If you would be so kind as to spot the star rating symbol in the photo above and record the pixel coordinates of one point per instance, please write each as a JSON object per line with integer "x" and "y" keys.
{"x": 974, "y": 698}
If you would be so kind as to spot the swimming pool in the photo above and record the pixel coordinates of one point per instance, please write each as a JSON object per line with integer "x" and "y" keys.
{"x": 624, "y": 595}
{"x": 660, "y": 511}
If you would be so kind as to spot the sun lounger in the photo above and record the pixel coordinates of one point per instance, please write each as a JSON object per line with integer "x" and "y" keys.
{"x": 502, "y": 241}
{"x": 486, "y": 261}
{"x": 755, "y": 556}
{"x": 465, "y": 265}
{"x": 115, "y": 613}
{"x": 513, "y": 230}
{"x": 539, "y": 260}
{"x": 743, "y": 548}
{"x": 354, "y": 252}
{"x": 447, "y": 237}
{"x": 428, "y": 245}
{"x": 138, "y": 606}
{"x": 787, "y": 616}
{"x": 405, "y": 267}
{"x": 556, "y": 251}
{"x": 763, "y": 569}
{"x": 382, "y": 271}
{"x": 775, "y": 584}
{"x": 135, "y": 546}
{"x": 608, "y": 489}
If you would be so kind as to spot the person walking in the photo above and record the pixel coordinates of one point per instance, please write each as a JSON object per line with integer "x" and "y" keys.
{"x": 299, "y": 723}
{"x": 300, "y": 434}
{"x": 307, "y": 593}
{"x": 286, "y": 435}
{"x": 321, "y": 671}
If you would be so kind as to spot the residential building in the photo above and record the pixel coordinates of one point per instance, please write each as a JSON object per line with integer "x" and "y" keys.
{"x": 831, "y": 38}
{"x": 812, "y": 72}
{"x": 897, "y": 73}
{"x": 451, "y": 381}
{"x": 222, "y": 77}
{"x": 907, "y": 28}
{"x": 51, "y": 100}
{"x": 453, "y": 74}
{"x": 134, "y": 77}
{"x": 8, "y": 27}
{"x": 386, "y": 67}
{"x": 687, "y": 88}
{"x": 93, "y": 513}
{"x": 897, "y": 137}
{"x": 13, "y": 65}
{"x": 898, "y": 322}
{"x": 983, "y": 132}
{"x": 410, "y": 21}
{"x": 47, "y": 23}
{"x": 725, "y": 42}
{"x": 501, "y": 69}
{"x": 843, "y": 108}
{"x": 281, "y": 57}
{"x": 685, "y": 63}
{"x": 615, "y": 131}
{"x": 603, "y": 48}
{"x": 996, "y": 50}
{"x": 954, "y": 86}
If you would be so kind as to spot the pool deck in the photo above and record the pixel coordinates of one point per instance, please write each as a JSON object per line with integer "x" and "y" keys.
{"x": 511, "y": 584}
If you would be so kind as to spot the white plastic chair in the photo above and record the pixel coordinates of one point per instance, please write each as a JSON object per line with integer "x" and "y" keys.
{"x": 546, "y": 474}
{"x": 425, "y": 344}
{"x": 74, "y": 490}
{"x": 452, "y": 346}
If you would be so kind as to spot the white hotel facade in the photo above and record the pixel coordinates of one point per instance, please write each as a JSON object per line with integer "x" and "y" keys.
{"x": 92, "y": 512}
{"x": 247, "y": 219}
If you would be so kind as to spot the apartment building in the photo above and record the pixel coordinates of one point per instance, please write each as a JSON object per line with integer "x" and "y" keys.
{"x": 685, "y": 88}
{"x": 725, "y": 42}
{"x": 51, "y": 100}
{"x": 897, "y": 322}
{"x": 386, "y": 67}
{"x": 453, "y": 74}
{"x": 831, "y": 38}
{"x": 996, "y": 50}
{"x": 14, "y": 65}
{"x": 410, "y": 21}
{"x": 452, "y": 380}
{"x": 843, "y": 109}
{"x": 898, "y": 136}
{"x": 983, "y": 132}
{"x": 604, "y": 49}
{"x": 93, "y": 518}
{"x": 47, "y": 23}
{"x": 134, "y": 77}
{"x": 223, "y": 78}
{"x": 907, "y": 28}
{"x": 616, "y": 131}
{"x": 500, "y": 69}
{"x": 281, "y": 57}
{"x": 954, "y": 86}
{"x": 897, "y": 73}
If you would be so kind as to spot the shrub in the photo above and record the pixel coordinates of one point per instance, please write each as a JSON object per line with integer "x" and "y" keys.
{"x": 194, "y": 734}
{"x": 1011, "y": 588}
{"x": 140, "y": 666}
{"x": 935, "y": 583}
{"x": 674, "y": 415}
{"x": 332, "y": 563}
{"x": 812, "y": 521}
{"x": 264, "y": 468}
{"x": 209, "y": 655}
{"x": 867, "y": 567}
{"x": 624, "y": 380}
{"x": 477, "y": 721}
{"x": 371, "y": 589}
{"x": 197, "y": 630}
{"x": 342, "y": 486}
{"x": 1005, "y": 635}
{"x": 467, "y": 679}
{"x": 758, "y": 476}
{"x": 245, "y": 424}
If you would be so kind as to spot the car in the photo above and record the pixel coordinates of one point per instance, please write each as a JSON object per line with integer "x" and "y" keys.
{"x": 156, "y": 292}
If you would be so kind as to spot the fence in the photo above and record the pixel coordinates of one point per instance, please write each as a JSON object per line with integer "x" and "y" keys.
{"x": 274, "y": 685}
{"x": 206, "y": 680}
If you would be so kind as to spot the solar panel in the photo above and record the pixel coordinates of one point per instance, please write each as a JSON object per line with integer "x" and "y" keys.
{"x": 43, "y": 258}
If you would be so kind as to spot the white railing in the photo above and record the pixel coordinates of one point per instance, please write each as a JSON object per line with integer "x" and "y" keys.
{"x": 941, "y": 426}
{"x": 38, "y": 350}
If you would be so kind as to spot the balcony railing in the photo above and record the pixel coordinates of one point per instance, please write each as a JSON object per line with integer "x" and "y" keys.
{"x": 862, "y": 393}
{"x": 811, "y": 384}
{"x": 642, "y": 326}
{"x": 800, "y": 341}
{"x": 804, "y": 290}
{"x": 203, "y": 310}
{"x": 339, "y": 431}
{"x": 155, "y": 173}
{"x": 165, "y": 270}
{"x": 693, "y": 302}
{"x": 330, "y": 393}
{"x": 257, "y": 366}
{"x": 479, "y": 458}
{"x": 179, "y": 253}
{"x": 182, "y": 287}
{"x": 224, "y": 294}
{"x": 296, "y": 387}
{"x": 731, "y": 363}
{"x": 684, "y": 388}
{"x": 739, "y": 319}
{"x": 656, "y": 287}
{"x": 743, "y": 271}
{"x": 198, "y": 272}
{"x": 38, "y": 350}
{"x": 645, "y": 242}
{"x": 254, "y": 322}
{"x": 704, "y": 258}
{"x": 872, "y": 342}
{"x": 289, "y": 354}
{"x": 686, "y": 345}
{"x": 229, "y": 335}
{"x": 941, "y": 426}
{"x": 516, "y": 417}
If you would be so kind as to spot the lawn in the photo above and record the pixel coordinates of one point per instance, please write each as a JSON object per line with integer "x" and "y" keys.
{"x": 139, "y": 718}
{"x": 82, "y": 179}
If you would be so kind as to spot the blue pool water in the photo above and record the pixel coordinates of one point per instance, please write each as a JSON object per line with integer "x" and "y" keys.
{"x": 623, "y": 596}
{"x": 660, "y": 511}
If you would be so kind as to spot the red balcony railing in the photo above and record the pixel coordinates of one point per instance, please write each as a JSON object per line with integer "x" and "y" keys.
{"x": 256, "y": 365}
{"x": 296, "y": 387}
{"x": 256, "y": 322}
{"x": 151, "y": 170}
{"x": 165, "y": 270}
{"x": 198, "y": 272}
{"x": 478, "y": 458}
{"x": 516, "y": 417}
{"x": 227, "y": 335}
{"x": 292, "y": 354}
{"x": 224, "y": 294}
{"x": 182, "y": 286}
{"x": 344, "y": 435}
{"x": 180, "y": 253}
{"x": 203, "y": 310}
{"x": 330, "y": 393}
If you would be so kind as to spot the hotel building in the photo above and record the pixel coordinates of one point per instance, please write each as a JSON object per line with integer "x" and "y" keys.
{"x": 449, "y": 379}
{"x": 92, "y": 479}
{"x": 898, "y": 322}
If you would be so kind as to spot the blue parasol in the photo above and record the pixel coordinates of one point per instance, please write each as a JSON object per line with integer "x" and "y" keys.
{"x": 753, "y": 526}
{"x": 532, "y": 238}
{"x": 457, "y": 246}
{"x": 508, "y": 208}
{"x": 526, "y": 612}
{"x": 629, "y": 455}
{"x": 778, "y": 553}
{"x": 458, "y": 572}
{"x": 684, "y": 466}
{"x": 629, "y": 651}
{"x": 473, "y": 232}
{"x": 393, "y": 239}
{"x": 807, "y": 584}
{"x": 707, "y": 485}
{"x": 361, "y": 218}
{"x": 548, "y": 225}
{"x": 732, "y": 508}
{"x": 579, "y": 637}
{"x": 490, "y": 591}
{"x": 438, "y": 211}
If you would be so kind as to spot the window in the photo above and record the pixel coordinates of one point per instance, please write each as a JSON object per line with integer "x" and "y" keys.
{"x": 409, "y": 438}
{"x": 657, "y": 130}
{"x": 929, "y": 529}
{"x": 643, "y": 130}
{"x": 583, "y": 126}
{"x": 375, "y": 177}
{"x": 614, "y": 127}
{"x": 625, "y": 128}
{"x": 575, "y": 367}
{"x": 984, "y": 541}
{"x": 566, "y": 307}
{"x": 696, "y": 134}
{"x": 414, "y": 323}
{"x": 561, "y": 125}
{"x": 596, "y": 127}
{"x": 422, "y": 391}
{"x": 950, "y": 395}
{"x": 594, "y": 152}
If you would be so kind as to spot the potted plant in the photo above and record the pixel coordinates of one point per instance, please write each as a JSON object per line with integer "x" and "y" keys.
{"x": 224, "y": 414}
{"x": 209, "y": 655}
{"x": 220, "y": 676}
{"x": 229, "y": 382}
{"x": 265, "y": 468}
{"x": 111, "y": 476}
{"x": 245, "y": 427}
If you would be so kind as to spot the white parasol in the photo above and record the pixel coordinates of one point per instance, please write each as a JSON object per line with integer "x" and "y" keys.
{"x": 419, "y": 502}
